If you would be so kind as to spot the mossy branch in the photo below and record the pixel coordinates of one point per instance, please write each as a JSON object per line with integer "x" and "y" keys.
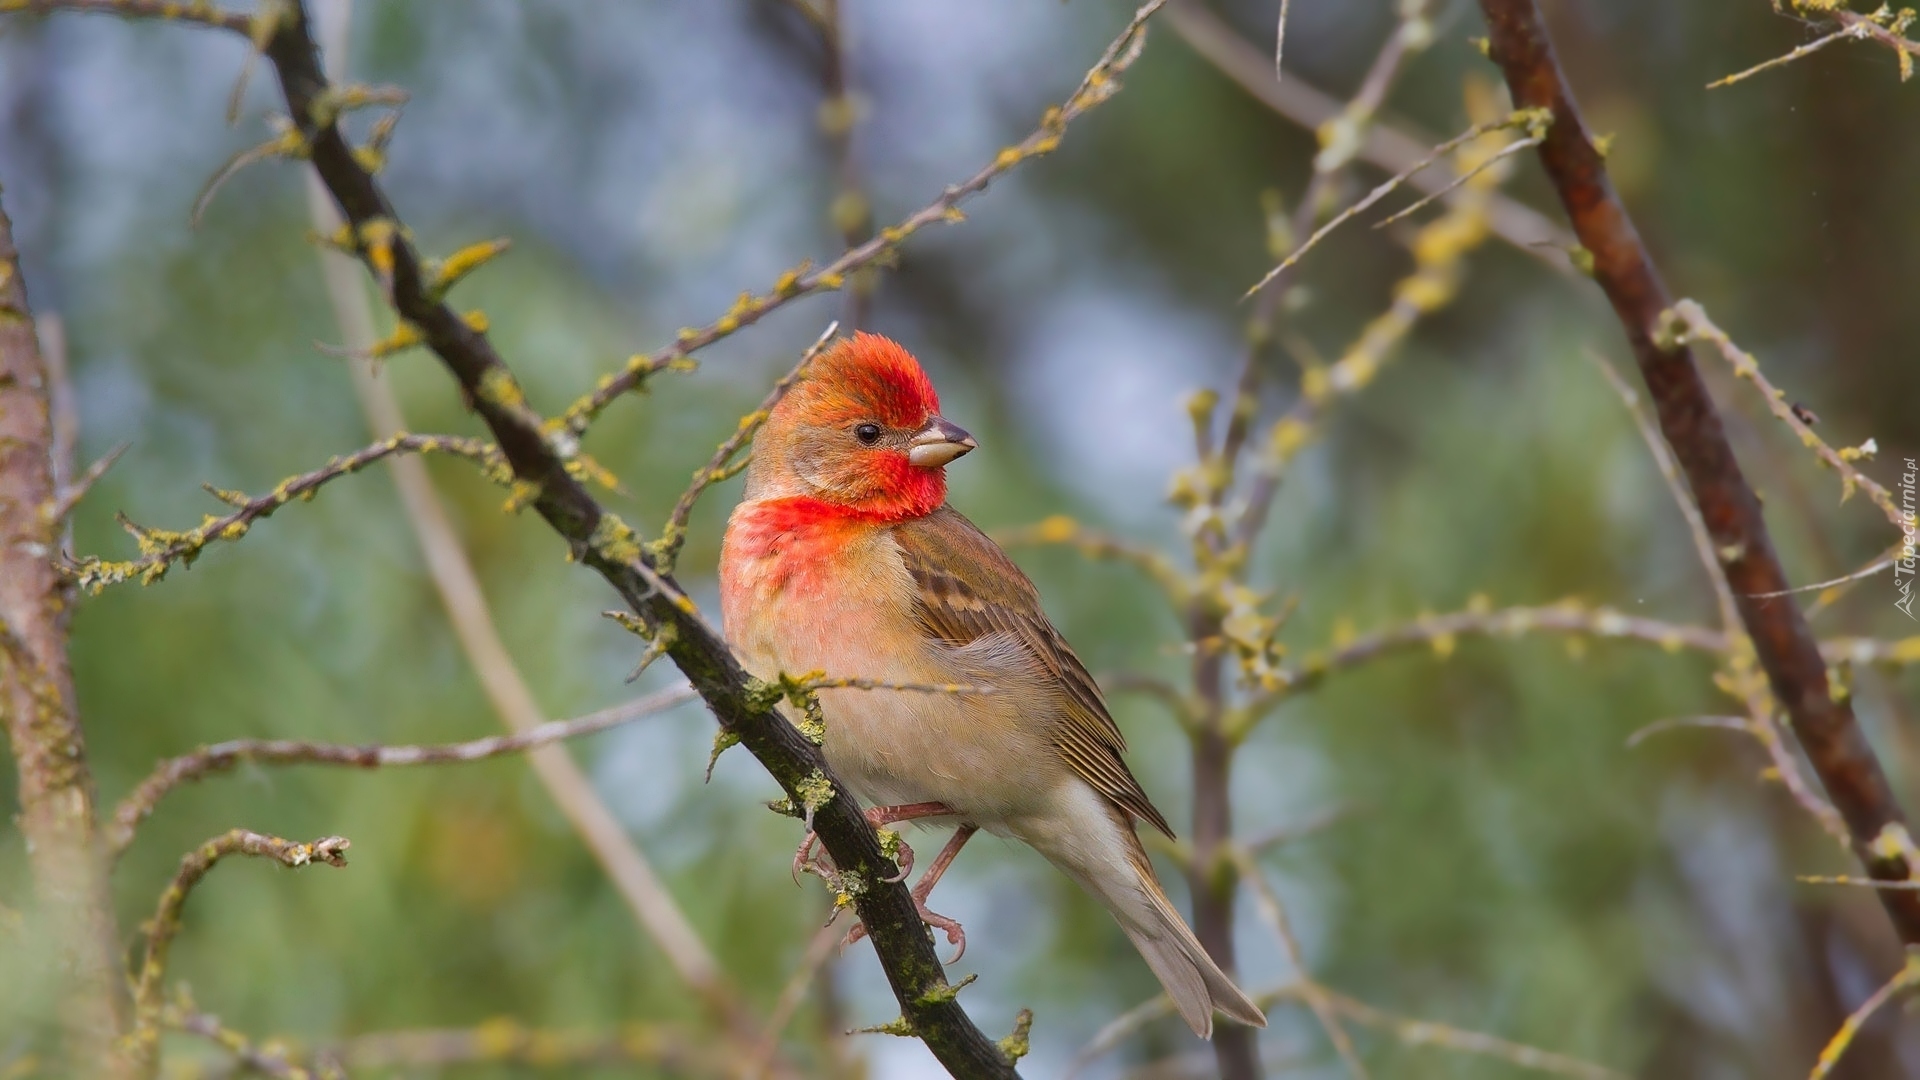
{"x": 147, "y": 1003}
{"x": 199, "y": 764}
{"x": 160, "y": 549}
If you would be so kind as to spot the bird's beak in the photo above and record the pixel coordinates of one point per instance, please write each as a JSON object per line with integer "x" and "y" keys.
{"x": 938, "y": 443}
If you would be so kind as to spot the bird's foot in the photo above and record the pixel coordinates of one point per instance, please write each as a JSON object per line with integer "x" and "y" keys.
{"x": 805, "y": 861}
{"x": 956, "y": 934}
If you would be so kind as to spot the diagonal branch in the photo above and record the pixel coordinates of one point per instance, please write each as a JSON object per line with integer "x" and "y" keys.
{"x": 160, "y": 549}
{"x": 1786, "y": 648}
{"x": 139, "y": 803}
{"x": 539, "y": 454}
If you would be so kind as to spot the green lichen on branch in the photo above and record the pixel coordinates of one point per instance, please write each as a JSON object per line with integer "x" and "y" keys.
{"x": 161, "y": 549}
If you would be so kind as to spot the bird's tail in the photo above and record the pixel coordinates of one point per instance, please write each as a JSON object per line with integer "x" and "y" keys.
{"x": 1118, "y": 874}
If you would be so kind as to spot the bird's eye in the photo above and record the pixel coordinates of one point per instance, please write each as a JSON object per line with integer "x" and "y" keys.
{"x": 868, "y": 434}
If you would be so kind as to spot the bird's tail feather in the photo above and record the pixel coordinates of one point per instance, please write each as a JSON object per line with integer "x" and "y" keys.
{"x": 1195, "y": 983}
{"x": 1110, "y": 863}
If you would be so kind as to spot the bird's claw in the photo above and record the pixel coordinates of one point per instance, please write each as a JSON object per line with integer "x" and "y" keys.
{"x": 956, "y": 934}
{"x": 805, "y": 861}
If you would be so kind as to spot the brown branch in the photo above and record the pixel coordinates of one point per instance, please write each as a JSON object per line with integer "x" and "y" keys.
{"x": 1101, "y": 82}
{"x": 539, "y": 454}
{"x": 166, "y": 918}
{"x": 1786, "y": 648}
{"x": 160, "y": 549}
{"x": 139, "y": 803}
{"x": 56, "y": 816}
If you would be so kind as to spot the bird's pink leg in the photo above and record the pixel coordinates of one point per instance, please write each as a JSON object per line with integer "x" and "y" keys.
{"x": 956, "y": 935}
{"x": 877, "y": 816}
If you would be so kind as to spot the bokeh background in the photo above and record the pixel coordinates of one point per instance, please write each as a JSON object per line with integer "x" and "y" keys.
{"x": 1505, "y": 863}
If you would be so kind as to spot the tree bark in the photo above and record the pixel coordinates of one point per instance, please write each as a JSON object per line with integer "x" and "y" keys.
{"x": 36, "y": 697}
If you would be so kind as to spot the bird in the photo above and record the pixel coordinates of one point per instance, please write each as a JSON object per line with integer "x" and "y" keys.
{"x": 843, "y": 557}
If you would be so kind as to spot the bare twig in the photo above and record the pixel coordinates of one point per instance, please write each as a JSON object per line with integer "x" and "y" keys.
{"x": 1904, "y": 981}
{"x": 1101, "y": 82}
{"x": 720, "y": 466}
{"x": 220, "y": 757}
{"x": 1094, "y": 544}
{"x": 1408, "y": 1031}
{"x": 1528, "y": 118}
{"x": 1274, "y": 914}
{"x": 1385, "y": 145}
{"x": 249, "y": 1055}
{"x": 330, "y": 850}
{"x": 194, "y": 11}
{"x": 160, "y": 549}
{"x": 1696, "y": 326}
{"x": 505, "y": 1041}
{"x": 1786, "y": 648}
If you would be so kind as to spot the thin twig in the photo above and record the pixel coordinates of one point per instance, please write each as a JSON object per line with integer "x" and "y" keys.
{"x": 1274, "y": 914}
{"x": 160, "y": 549}
{"x": 1467, "y": 174}
{"x": 194, "y": 866}
{"x": 1385, "y": 145}
{"x": 1698, "y": 327}
{"x": 139, "y": 804}
{"x": 1808, "y": 49}
{"x": 1101, "y": 82}
{"x": 1906, "y": 979}
{"x": 194, "y": 11}
{"x": 1525, "y": 118}
{"x": 1094, "y": 544}
{"x": 719, "y": 467}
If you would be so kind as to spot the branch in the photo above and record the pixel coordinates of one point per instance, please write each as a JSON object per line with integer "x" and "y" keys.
{"x": 37, "y": 703}
{"x": 1101, "y": 83}
{"x": 1409, "y": 1031}
{"x": 1094, "y": 544}
{"x": 161, "y": 548}
{"x": 1274, "y": 914}
{"x": 1786, "y": 648}
{"x": 720, "y": 467}
{"x": 458, "y": 585}
{"x": 193, "y": 11}
{"x": 1533, "y": 120}
{"x": 139, "y": 803}
{"x": 1905, "y": 980}
{"x": 1693, "y": 325}
{"x": 166, "y": 917}
{"x": 538, "y": 454}
{"x": 1441, "y": 633}
{"x": 505, "y": 1041}
{"x": 1384, "y": 145}
{"x": 1884, "y": 25}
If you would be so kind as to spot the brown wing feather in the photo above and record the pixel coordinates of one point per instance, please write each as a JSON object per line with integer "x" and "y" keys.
{"x": 966, "y": 589}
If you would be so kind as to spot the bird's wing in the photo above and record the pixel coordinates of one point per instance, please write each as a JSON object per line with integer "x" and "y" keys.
{"x": 965, "y": 589}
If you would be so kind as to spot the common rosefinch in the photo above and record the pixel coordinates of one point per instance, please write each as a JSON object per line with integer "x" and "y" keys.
{"x": 843, "y": 557}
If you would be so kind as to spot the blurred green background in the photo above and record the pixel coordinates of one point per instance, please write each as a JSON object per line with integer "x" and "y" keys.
{"x": 1507, "y": 864}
